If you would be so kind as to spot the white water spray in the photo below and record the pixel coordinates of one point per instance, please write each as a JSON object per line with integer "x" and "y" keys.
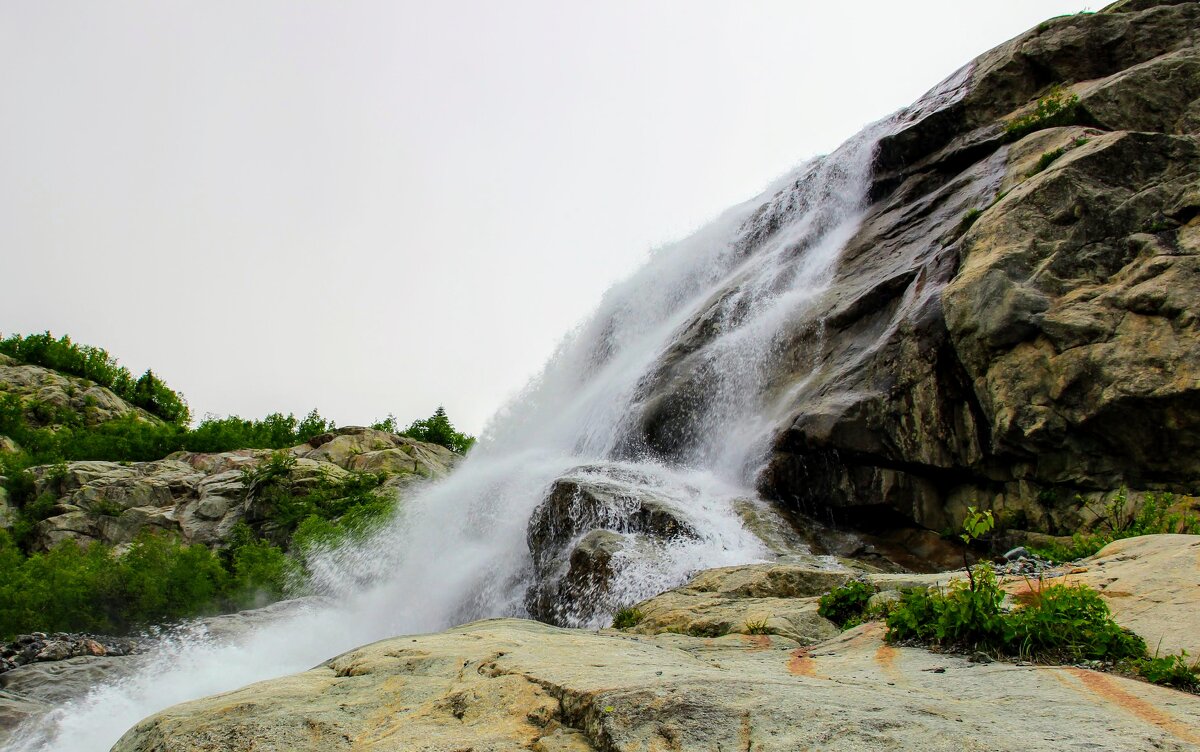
{"x": 458, "y": 552}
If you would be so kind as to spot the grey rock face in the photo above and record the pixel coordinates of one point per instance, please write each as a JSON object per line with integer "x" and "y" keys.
{"x": 1001, "y": 333}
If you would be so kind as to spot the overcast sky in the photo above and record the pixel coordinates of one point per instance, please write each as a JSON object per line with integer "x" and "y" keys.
{"x": 375, "y": 207}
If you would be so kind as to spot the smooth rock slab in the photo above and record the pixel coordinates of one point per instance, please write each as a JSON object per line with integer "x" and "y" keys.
{"x": 515, "y": 685}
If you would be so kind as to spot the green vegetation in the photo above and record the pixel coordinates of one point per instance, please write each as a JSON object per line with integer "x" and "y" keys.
{"x": 969, "y": 219}
{"x": 147, "y": 392}
{"x": 158, "y": 579}
{"x": 1053, "y": 623}
{"x": 1170, "y": 670}
{"x": 437, "y": 429}
{"x": 321, "y": 511}
{"x": 846, "y": 606}
{"x": 1047, "y": 159}
{"x": 1119, "y": 519}
{"x": 94, "y": 587}
{"x": 1059, "y": 623}
{"x": 627, "y": 617}
{"x": 1055, "y": 109}
{"x": 276, "y": 431}
{"x": 759, "y": 628}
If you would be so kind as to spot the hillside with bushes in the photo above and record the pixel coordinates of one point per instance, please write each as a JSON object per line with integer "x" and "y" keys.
{"x": 117, "y": 514}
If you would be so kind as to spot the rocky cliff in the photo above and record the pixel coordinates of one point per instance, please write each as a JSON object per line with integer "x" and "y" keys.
{"x": 1015, "y": 321}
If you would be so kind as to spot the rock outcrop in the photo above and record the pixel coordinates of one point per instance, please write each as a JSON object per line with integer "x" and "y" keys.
{"x": 1007, "y": 329}
{"x": 47, "y": 394}
{"x": 201, "y": 497}
{"x": 516, "y": 685}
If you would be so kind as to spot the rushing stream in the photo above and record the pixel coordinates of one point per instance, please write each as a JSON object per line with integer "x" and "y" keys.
{"x": 458, "y": 550}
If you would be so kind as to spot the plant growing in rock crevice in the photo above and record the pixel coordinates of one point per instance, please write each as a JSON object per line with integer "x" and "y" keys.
{"x": 626, "y": 618}
{"x": 1057, "y": 108}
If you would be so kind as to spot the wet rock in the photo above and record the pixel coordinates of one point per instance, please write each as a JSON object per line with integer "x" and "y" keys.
{"x": 577, "y": 533}
{"x": 511, "y": 685}
{"x": 1002, "y": 333}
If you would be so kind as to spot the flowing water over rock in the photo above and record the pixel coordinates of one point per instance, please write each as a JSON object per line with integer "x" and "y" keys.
{"x": 564, "y": 511}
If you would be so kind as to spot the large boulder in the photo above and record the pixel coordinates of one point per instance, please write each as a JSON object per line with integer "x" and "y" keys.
{"x": 592, "y": 521}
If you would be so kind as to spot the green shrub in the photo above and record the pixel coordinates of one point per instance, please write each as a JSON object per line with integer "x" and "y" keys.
{"x": 626, "y": 618}
{"x": 1056, "y": 108}
{"x": 437, "y": 429}
{"x": 91, "y": 588}
{"x": 1120, "y": 519}
{"x": 759, "y": 628}
{"x": 1060, "y": 623}
{"x": 969, "y": 219}
{"x": 262, "y": 574}
{"x": 964, "y": 616}
{"x": 846, "y": 606}
{"x": 276, "y": 431}
{"x": 1046, "y": 160}
{"x": 1068, "y": 623}
{"x": 1170, "y": 670}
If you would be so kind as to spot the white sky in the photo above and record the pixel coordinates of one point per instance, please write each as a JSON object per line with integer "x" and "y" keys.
{"x": 374, "y": 207}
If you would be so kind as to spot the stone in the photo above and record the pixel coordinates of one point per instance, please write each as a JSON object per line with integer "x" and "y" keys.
{"x": 55, "y": 651}
{"x": 1020, "y": 552}
{"x": 780, "y": 598}
{"x": 513, "y": 685}
{"x": 994, "y": 335}
{"x": 587, "y": 518}
{"x": 201, "y": 497}
{"x": 59, "y": 680}
{"x": 94, "y": 403}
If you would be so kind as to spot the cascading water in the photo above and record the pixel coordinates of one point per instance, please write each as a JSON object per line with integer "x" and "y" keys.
{"x": 458, "y": 549}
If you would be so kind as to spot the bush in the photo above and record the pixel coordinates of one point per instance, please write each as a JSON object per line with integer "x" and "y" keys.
{"x": 1069, "y": 623}
{"x": 437, "y": 429}
{"x": 1170, "y": 670}
{"x": 1059, "y": 623}
{"x": 91, "y": 588}
{"x": 1120, "y": 519}
{"x": 1055, "y": 109}
{"x": 846, "y": 606}
{"x": 276, "y": 431}
{"x": 627, "y": 618}
{"x": 1046, "y": 160}
{"x": 963, "y": 616}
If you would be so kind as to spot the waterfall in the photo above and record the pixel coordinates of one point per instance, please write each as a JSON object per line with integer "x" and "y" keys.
{"x": 701, "y": 323}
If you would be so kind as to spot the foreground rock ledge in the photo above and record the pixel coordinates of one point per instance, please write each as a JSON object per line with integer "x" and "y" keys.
{"x": 518, "y": 685}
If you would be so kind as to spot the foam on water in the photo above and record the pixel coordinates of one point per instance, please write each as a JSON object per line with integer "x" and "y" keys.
{"x": 457, "y": 551}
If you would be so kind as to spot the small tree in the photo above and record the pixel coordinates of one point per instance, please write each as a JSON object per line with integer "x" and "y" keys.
{"x": 437, "y": 429}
